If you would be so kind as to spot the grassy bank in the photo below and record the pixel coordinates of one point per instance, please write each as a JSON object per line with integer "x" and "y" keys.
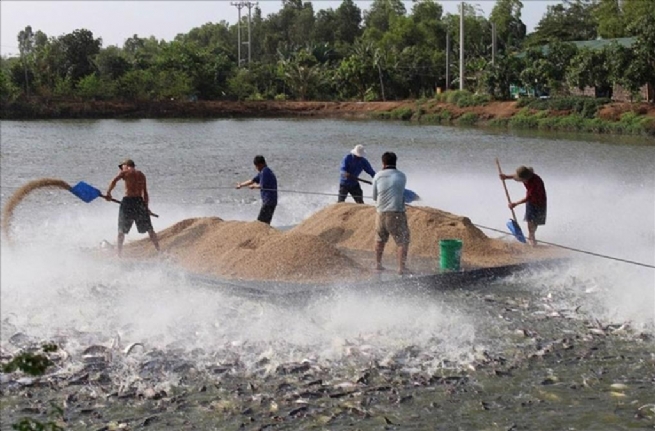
{"x": 572, "y": 114}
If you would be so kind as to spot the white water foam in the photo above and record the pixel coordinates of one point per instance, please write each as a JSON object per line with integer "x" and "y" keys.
{"x": 52, "y": 286}
{"x": 601, "y": 216}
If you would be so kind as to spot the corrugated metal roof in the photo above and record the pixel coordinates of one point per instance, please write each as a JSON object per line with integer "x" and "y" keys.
{"x": 601, "y": 43}
{"x": 592, "y": 44}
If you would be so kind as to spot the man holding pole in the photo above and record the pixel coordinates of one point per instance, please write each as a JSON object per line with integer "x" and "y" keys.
{"x": 351, "y": 166}
{"x": 266, "y": 181}
{"x": 534, "y": 200}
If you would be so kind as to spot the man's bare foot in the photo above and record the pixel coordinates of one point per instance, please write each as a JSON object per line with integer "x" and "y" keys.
{"x": 379, "y": 268}
{"x": 404, "y": 271}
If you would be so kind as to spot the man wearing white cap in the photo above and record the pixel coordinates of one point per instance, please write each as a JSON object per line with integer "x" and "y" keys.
{"x": 351, "y": 167}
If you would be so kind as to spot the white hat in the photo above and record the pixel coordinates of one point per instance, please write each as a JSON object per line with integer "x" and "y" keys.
{"x": 358, "y": 151}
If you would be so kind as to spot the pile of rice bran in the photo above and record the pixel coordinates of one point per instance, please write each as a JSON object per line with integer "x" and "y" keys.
{"x": 317, "y": 250}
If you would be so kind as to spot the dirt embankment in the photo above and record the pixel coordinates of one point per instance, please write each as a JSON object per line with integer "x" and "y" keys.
{"x": 334, "y": 244}
{"x": 428, "y": 110}
{"x": 60, "y": 109}
{"x": 53, "y": 109}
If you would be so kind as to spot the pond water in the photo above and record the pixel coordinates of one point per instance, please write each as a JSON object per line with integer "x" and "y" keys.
{"x": 601, "y": 193}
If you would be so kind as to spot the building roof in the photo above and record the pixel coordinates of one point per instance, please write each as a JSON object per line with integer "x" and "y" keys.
{"x": 602, "y": 43}
{"x": 592, "y": 44}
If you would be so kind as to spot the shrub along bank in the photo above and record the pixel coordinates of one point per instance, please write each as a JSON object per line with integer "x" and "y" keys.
{"x": 572, "y": 114}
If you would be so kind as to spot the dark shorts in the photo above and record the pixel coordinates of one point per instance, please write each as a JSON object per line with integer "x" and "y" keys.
{"x": 535, "y": 214}
{"x": 354, "y": 190}
{"x": 266, "y": 213}
{"x": 133, "y": 210}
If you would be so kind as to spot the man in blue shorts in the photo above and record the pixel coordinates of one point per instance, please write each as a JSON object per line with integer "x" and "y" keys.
{"x": 266, "y": 181}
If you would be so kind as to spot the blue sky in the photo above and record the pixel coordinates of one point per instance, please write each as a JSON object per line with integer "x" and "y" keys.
{"x": 115, "y": 21}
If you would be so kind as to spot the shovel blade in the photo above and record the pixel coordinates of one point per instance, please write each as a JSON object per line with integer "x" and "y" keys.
{"x": 410, "y": 196}
{"x": 514, "y": 227}
{"x": 85, "y": 191}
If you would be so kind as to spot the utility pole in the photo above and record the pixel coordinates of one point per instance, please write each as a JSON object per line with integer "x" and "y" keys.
{"x": 461, "y": 47}
{"x": 250, "y": 5}
{"x": 493, "y": 43}
{"x": 239, "y": 6}
{"x": 447, "y": 61}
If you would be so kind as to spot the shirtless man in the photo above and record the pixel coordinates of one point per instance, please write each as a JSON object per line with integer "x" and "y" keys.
{"x": 134, "y": 206}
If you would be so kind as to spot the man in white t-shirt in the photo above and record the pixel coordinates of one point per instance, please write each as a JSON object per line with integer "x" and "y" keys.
{"x": 388, "y": 193}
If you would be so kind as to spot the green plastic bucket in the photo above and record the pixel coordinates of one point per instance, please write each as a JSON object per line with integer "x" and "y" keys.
{"x": 450, "y": 253}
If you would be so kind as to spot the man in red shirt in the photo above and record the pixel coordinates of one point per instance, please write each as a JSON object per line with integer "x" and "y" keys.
{"x": 534, "y": 200}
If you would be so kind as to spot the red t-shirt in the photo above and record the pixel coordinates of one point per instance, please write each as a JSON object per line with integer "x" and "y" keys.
{"x": 536, "y": 191}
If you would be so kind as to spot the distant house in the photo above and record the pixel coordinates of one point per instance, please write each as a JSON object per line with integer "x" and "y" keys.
{"x": 617, "y": 93}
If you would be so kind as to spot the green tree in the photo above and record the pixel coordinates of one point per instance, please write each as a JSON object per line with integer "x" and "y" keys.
{"x": 201, "y": 66}
{"x": 643, "y": 64}
{"x": 8, "y": 91}
{"x": 477, "y": 40}
{"x": 111, "y": 63}
{"x": 243, "y": 84}
{"x": 427, "y": 17}
{"x": 378, "y": 18}
{"x": 589, "y": 68}
{"x": 477, "y": 34}
{"x": 136, "y": 85}
{"x": 559, "y": 56}
{"x": 26, "y": 48}
{"x": 635, "y": 10}
{"x": 611, "y": 22}
{"x": 537, "y": 70}
{"x": 93, "y": 87}
{"x": 268, "y": 80}
{"x": 171, "y": 84}
{"x": 624, "y": 69}
{"x": 326, "y": 22}
{"x": 142, "y": 52}
{"x": 80, "y": 48}
{"x": 571, "y": 20}
{"x": 349, "y": 19}
{"x": 356, "y": 74}
{"x": 510, "y": 30}
{"x": 293, "y": 24}
{"x": 21, "y": 76}
{"x": 303, "y": 25}
{"x": 50, "y": 62}
{"x": 302, "y": 74}
{"x": 63, "y": 86}
{"x": 501, "y": 75}
{"x": 211, "y": 36}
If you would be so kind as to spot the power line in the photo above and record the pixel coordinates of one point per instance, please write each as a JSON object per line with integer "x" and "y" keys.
{"x": 239, "y": 6}
{"x": 577, "y": 250}
{"x": 249, "y": 5}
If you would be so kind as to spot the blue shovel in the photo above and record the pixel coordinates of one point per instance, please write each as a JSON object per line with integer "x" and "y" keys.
{"x": 88, "y": 193}
{"x": 409, "y": 195}
{"x": 512, "y": 224}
